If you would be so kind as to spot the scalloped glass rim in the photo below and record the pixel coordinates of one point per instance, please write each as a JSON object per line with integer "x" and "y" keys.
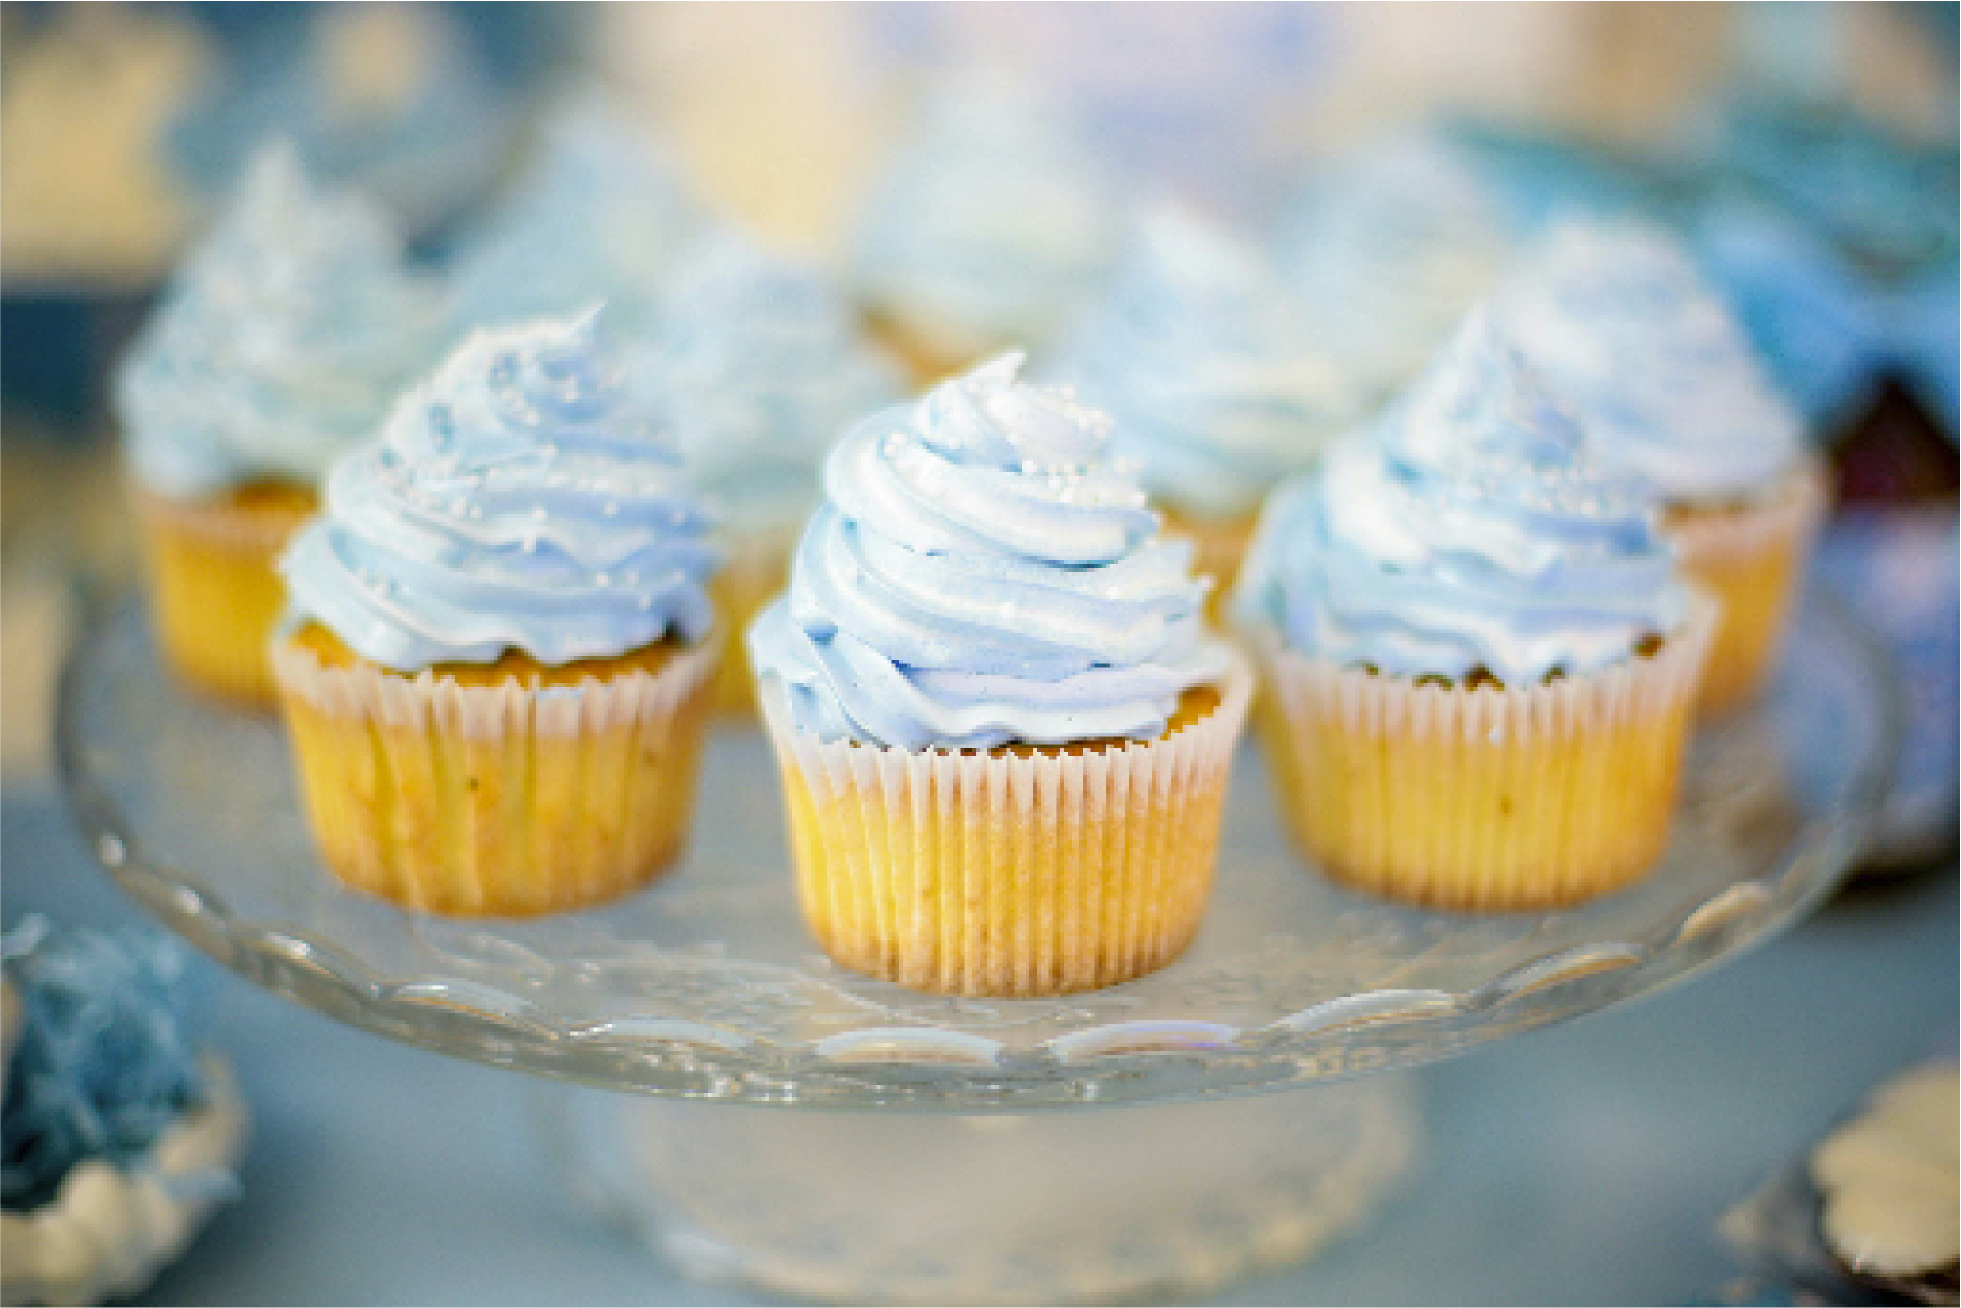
{"x": 703, "y": 986}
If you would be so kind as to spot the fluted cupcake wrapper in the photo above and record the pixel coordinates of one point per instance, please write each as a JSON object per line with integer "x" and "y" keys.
{"x": 213, "y": 589}
{"x": 1491, "y": 798}
{"x": 496, "y": 800}
{"x": 1011, "y": 872}
{"x": 1752, "y": 558}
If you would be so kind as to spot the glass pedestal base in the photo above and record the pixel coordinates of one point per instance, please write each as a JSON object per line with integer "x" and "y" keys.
{"x": 1164, "y": 1200}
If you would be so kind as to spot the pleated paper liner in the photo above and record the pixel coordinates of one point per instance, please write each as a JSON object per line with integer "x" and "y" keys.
{"x": 1487, "y": 798}
{"x": 496, "y": 800}
{"x": 755, "y": 568}
{"x": 1751, "y": 557}
{"x": 1012, "y": 872}
{"x": 213, "y": 589}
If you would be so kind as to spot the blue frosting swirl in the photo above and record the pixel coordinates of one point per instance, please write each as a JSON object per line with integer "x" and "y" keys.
{"x": 989, "y": 226}
{"x": 1467, "y": 528}
{"x": 763, "y": 367}
{"x": 600, "y": 215}
{"x": 1620, "y": 321}
{"x": 979, "y": 575}
{"x": 525, "y": 497}
{"x": 280, "y": 343}
{"x": 1208, "y": 367}
{"x": 1390, "y": 249}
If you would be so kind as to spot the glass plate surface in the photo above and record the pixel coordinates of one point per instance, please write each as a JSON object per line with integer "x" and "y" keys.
{"x": 706, "y": 984}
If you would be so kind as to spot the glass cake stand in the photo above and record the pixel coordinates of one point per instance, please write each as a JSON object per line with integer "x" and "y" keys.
{"x": 705, "y": 987}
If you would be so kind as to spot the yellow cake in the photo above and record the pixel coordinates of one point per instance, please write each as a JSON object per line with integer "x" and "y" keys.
{"x": 213, "y": 590}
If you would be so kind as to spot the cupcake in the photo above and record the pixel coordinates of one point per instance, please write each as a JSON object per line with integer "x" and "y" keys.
{"x": 763, "y": 366}
{"x": 1003, "y": 729}
{"x": 1481, "y": 658}
{"x": 278, "y": 346}
{"x": 498, "y": 657}
{"x": 988, "y": 228}
{"x": 599, "y": 214}
{"x": 1389, "y": 248}
{"x": 1668, "y": 388}
{"x": 1213, "y": 377}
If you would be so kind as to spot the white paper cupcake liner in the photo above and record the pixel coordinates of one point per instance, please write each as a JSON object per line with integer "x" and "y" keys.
{"x": 496, "y": 799}
{"x": 1490, "y": 798}
{"x": 1015, "y": 871}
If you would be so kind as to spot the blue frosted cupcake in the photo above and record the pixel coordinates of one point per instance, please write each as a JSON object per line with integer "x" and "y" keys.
{"x": 763, "y": 366}
{"x": 278, "y": 347}
{"x": 600, "y": 214}
{"x": 1003, "y": 729}
{"x": 506, "y": 598}
{"x": 1389, "y": 249}
{"x": 990, "y": 225}
{"x": 1670, "y": 389}
{"x": 1481, "y": 659}
{"x": 1213, "y": 375}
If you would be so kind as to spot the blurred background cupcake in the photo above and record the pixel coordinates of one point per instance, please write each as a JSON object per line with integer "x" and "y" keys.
{"x": 597, "y": 212}
{"x": 763, "y": 365}
{"x": 278, "y": 347}
{"x": 1670, "y": 390}
{"x": 990, "y": 223}
{"x": 1218, "y": 386}
{"x": 1388, "y": 248}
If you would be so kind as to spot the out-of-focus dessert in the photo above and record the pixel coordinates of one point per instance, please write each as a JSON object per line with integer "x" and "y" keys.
{"x": 598, "y": 213}
{"x": 505, "y": 599}
{"x": 986, "y": 229}
{"x": 1213, "y": 375}
{"x": 278, "y": 345}
{"x": 762, "y": 365}
{"x": 1480, "y": 658}
{"x": 1388, "y": 248}
{"x": 1003, "y": 731}
{"x": 1620, "y": 321}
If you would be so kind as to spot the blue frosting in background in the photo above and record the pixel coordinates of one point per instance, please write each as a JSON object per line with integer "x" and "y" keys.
{"x": 1466, "y": 528}
{"x": 762, "y": 365}
{"x": 528, "y": 496}
{"x": 107, "y": 1055}
{"x": 1210, "y": 369}
{"x": 979, "y": 575}
{"x": 280, "y": 343}
{"x": 1389, "y": 248}
{"x": 990, "y": 224}
{"x": 599, "y": 214}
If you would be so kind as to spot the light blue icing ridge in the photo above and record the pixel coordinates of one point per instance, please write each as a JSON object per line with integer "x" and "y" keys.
{"x": 980, "y": 574}
{"x": 280, "y": 342}
{"x": 1209, "y": 367}
{"x": 526, "y": 497}
{"x": 1468, "y": 527}
{"x": 1621, "y": 322}
{"x": 991, "y": 223}
{"x": 763, "y": 367}
{"x": 1389, "y": 249}
{"x": 600, "y": 214}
